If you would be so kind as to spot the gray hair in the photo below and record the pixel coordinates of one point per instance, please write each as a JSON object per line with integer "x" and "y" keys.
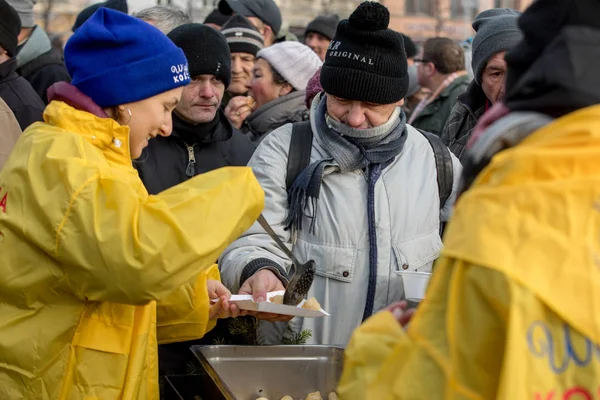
{"x": 164, "y": 18}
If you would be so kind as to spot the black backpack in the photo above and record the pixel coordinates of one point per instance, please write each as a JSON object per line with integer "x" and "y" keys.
{"x": 301, "y": 146}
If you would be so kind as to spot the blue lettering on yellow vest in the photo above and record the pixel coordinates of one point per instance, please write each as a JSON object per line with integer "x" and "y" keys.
{"x": 542, "y": 345}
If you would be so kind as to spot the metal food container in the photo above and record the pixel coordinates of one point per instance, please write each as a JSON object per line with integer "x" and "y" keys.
{"x": 250, "y": 372}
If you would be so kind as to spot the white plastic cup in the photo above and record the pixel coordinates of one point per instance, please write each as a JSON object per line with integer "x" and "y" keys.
{"x": 415, "y": 284}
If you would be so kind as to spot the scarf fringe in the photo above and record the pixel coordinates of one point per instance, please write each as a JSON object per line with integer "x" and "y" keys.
{"x": 299, "y": 201}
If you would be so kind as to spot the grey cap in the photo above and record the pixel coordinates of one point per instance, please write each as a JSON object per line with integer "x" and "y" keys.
{"x": 265, "y": 10}
{"x": 324, "y": 25}
{"x": 25, "y": 10}
{"x": 497, "y": 31}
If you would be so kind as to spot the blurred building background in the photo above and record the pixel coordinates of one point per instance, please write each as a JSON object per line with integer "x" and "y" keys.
{"x": 419, "y": 19}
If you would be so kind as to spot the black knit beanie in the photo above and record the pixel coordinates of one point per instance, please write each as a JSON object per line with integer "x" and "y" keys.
{"x": 365, "y": 60}
{"x": 10, "y": 26}
{"x": 206, "y": 50}
{"x": 324, "y": 25}
{"x": 242, "y": 36}
{"x": 86, "y": 13}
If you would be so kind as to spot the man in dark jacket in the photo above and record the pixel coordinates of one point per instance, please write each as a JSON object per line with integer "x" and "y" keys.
{"x": 441, "y": 69}
{"x": 37, "y": 61}
{"x": 497, "y": 33}
{"x": 202, "y": 139}
{"x": 18, "y": 94}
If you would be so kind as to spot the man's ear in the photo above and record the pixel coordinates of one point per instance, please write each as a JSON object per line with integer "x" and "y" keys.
{"x": 400, "y": 103}
{"x": 268, "y": 35}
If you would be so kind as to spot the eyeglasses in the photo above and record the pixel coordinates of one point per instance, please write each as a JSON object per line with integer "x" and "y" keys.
{"x": 421, "y": 60}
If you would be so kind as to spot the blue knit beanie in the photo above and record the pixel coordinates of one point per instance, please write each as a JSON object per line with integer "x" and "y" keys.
{"x": 117, "y": 59}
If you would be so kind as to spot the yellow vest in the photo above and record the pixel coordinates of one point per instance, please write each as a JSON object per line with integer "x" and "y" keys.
{"x": 86, "y": 254}
{"x": 513, "y": 307}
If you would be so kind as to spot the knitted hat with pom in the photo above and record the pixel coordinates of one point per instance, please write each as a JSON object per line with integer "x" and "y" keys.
{"x": 365, "y": 60}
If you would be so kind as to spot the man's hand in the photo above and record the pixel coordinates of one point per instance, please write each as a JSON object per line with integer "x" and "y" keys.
{"x": 400, "y": 312}
{"x": 237, "y": 110}
{"x": 223, "y": 308}
{"x": 258, "y": 285}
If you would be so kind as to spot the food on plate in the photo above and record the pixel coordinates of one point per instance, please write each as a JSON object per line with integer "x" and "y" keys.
{"x": 333, "y": 396}
{"x": 262, "y": 398}
{"x": 251, "y": 102}
{"x": 277, "y": 299}
{"x": 287, "y": 398}
{"x": 312, "y": 304}
{"x": 314, "y": 396}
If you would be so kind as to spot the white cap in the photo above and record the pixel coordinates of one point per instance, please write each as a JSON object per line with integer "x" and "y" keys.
{"x": 295, "y": 62}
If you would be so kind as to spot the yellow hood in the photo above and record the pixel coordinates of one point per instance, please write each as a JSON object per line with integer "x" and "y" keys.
{"x": 513, "y": 218}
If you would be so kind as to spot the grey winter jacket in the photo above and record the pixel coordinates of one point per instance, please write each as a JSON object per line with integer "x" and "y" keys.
{"x": 286, "y": 109}
{"x": 407, "y": 209}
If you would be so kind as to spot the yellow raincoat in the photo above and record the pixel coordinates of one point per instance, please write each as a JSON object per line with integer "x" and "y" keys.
{"x": 513, "y": 308}
{"x": 86, "y": 253}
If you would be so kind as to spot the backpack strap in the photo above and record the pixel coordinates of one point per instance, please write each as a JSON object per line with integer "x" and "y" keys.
{"x": 443, "y": 164}
{"x": 299, "y": 151}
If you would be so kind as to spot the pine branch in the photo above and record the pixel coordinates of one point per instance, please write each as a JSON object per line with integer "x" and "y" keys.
{"x": 193, "y": 368}
{"x": 298, "y": 338}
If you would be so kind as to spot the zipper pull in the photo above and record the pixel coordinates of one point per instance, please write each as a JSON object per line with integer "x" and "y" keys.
{"x": 190, "y": 171}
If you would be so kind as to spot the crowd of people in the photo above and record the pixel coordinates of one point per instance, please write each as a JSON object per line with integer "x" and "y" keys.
{"x": 134, "y": 166}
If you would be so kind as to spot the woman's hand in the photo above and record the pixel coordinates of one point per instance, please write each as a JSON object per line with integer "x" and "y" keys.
{"x": 223, "y": 308}
{"x": 237, "y": 110}
{"x": 400, "y": 312}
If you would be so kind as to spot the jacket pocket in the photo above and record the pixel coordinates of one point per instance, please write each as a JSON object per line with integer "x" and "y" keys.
{"x": 331, "y": 261}
{"x": 99, "y": 359}
{"x": 102, "y": 336}
{"x": 418, "y": 254}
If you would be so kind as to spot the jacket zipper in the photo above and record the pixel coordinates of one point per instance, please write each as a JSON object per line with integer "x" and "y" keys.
{"x": 190, "y": 171}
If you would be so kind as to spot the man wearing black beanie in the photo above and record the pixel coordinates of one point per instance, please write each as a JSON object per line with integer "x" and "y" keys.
{"x": 202, "y": 139}
{"x": 364, "y": 204}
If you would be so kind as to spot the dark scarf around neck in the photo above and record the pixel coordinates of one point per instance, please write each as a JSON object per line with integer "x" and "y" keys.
{"x": 350, "y": 149}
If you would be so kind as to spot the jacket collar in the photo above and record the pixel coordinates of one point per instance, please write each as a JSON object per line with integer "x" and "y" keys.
{"x": 217, "y": 130}
{"x": 104, "y": 133}
{"x": 458, "y": 81}
{"x": 474, "y": 98}
{"x": 8, "y": 68}
{"x": 37, "y": 44}
{"x": 276, "y": 112}
{"x": 63, "y": 91}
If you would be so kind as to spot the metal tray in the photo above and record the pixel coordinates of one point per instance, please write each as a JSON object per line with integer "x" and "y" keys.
{"x": 250, "y": 372}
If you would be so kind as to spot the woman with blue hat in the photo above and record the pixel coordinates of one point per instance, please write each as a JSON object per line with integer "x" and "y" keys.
{"x": 94, "y": 271}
